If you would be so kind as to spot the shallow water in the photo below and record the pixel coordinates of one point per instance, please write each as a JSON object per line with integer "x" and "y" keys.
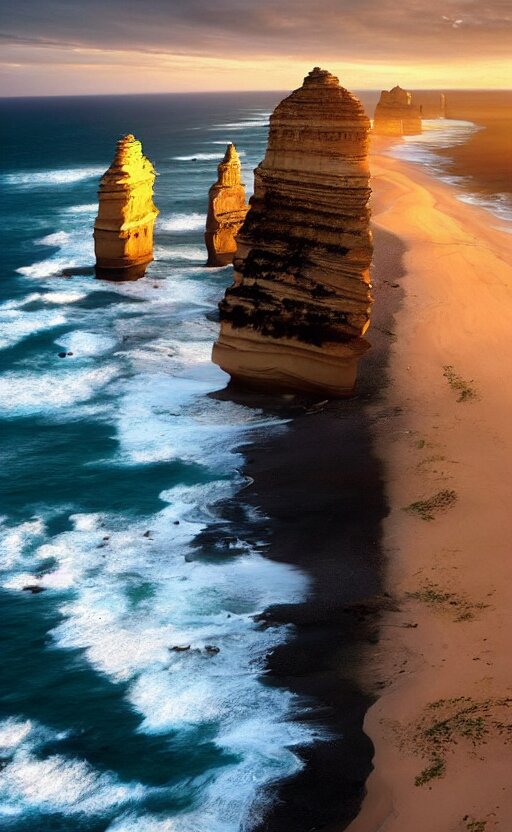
{"x": 473, "y": 153}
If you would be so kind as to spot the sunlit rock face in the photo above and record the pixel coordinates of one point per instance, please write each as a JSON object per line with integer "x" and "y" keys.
{"x": 123, "y": 231}
{"x": 396, "y": 115}
{"x": 226, "y": 210}
{"x": 300, "y": 301}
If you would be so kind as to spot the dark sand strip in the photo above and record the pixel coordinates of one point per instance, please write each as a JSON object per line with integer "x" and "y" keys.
{"x": 321, "y": 486}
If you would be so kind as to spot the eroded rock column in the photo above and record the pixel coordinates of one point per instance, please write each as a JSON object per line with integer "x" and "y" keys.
{"x": 396, "y": 115}
{"x": 301, "y": 296}
{"x": 123, "y": 231}
{"x": 226, "y": 210}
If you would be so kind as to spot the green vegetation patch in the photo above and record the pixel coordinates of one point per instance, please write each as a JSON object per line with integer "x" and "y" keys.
{"x": 449, "y": 723}
{"x": 473, "y": 825}
{"x": 462, "y": 608}
{"x": 427, "y": 509}
{"x": 436, "y": 769}
{"x": 457, "y": 383}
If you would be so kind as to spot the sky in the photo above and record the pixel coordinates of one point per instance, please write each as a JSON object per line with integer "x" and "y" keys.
{"x": 74, "y": 47}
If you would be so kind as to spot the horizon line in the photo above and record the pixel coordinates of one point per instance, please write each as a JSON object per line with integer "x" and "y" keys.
{"x": 233, "y": 92}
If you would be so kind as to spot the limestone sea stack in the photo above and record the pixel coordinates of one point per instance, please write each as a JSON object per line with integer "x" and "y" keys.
{"x": 396, "y": 115}
{"x": 123, "y": 231}
{"x": 226, "y": 210}
{"x": 300, "y": 301}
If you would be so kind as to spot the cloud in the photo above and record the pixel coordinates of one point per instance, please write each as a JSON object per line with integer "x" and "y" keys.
{"x": 333, "y": 30}
{"x": 454, "y": 23}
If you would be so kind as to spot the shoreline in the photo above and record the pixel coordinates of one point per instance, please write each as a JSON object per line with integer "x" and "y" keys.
{"x": 442, "y": 658}
{"x": 325, "y": 482}
{"x": 328, "y": 525}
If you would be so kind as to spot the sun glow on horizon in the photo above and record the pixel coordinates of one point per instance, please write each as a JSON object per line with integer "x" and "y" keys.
{"x": 73, "y": 70}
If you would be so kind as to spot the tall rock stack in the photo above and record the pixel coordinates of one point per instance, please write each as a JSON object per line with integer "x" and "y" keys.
{"x": 123, "y": 231}
{"x": 300, "y": 301}
{"x": 396, "y": 115}
{"x": 226, "y": 210}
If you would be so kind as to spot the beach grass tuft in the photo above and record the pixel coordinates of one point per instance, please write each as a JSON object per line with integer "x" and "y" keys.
{"x": 436, "y": 769}
{"x": 473, "y": 825}
{"x": 462, "y": 608}
{"x": 459, "y": 385}
{"x": 447, "y": 723}
{"x": 427, "y": 509}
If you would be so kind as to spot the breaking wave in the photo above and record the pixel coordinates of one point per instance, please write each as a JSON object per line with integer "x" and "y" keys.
{"x": 44, "y": 178}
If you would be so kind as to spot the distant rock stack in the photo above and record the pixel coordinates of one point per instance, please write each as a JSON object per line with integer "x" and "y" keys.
{"x": 226, "y": 210}
{"x": 442, "y": 105}
{"x": 300, "y": 301}
{"x": 396, "y": 115}
{"x": 123, "y": 231}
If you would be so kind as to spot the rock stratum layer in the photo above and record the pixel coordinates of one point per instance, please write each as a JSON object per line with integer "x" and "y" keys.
{"x": 396, "y": 115}
{"x": 300, "y": 301}
{"x": 226, "y": 210}
{"x": 123, "y": 231}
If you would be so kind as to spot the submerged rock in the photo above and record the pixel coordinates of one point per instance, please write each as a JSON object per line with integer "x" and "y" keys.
{"x": 226, "y": 210}
{"x": 301, "y": 296}
{"x": 123, "y": 231}
{"x": 396, "y": 115}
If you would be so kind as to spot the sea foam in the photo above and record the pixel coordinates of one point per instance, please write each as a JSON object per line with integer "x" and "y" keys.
{"x": 16, "y": 542}
{"x": 200, "y": 605}
{"x": 59, "y": 238}
{"x": 204, "y": 157}
{"x": 248, "y": 124}
{"x": 82, "y": 343}
{"x": 199, "y": 157}
{"x": 23, "y": 393}
{"x": 56, "y": 784}
{"x": 442, "y": 134}
{"x": 500, "y": 205}
{"x": 185, "y": 253}
{"x": 90, "y": 208}
{"x": 43, "y": 178}
{"x": 17, "y": 324}
{"x": 183, "y": 223}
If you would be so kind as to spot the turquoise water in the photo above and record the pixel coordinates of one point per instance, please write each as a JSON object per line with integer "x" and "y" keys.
{"x": 113, "y": 461}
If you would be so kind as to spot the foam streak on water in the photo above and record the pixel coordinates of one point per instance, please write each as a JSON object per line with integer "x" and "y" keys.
{"x": 183, "y": 223}
{"x": 51, "y": 178}
{"x": 443, "y": 134}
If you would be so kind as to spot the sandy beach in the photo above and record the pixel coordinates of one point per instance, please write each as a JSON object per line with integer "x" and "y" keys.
{"x": 442, "y": 665}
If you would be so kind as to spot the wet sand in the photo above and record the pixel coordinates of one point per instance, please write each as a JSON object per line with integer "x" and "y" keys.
{"x": 441, "y": 726}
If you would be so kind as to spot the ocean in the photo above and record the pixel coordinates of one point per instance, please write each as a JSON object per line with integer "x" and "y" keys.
{"x": 470, "y": 149}
{"x": 133, "y": 691}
